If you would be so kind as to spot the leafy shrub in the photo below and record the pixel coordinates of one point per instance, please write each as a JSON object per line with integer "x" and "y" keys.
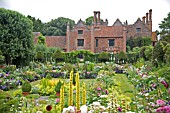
{"x": 104, "y": 56}
{"x": 26, "y": 86}
{"x": 48, "y": 76}
{"x": 39, "y": 55}
{"x": 67, "y": 67}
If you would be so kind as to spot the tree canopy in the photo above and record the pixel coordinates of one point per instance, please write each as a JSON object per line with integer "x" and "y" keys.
{"x": 165, "y": 29}
{"x": 57, "y": 27}
{"x": 16, "y": 37}
{"x": 38, "y": 25}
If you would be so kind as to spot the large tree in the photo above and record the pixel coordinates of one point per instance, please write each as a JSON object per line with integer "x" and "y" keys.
{"x": 89, "y": 20}
{"x": 165, "y": 29}
{"x": 38, "y": 25}
{"x": 16, "y": 37}
{"x": 57, "y": 26}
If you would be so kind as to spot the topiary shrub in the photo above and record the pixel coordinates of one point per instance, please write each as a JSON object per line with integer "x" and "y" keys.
{"x": 26, "y": 86}
{"x": 104, "y": 56}
{"x": 58, "y": 56}
{"x": 58, "y": 86}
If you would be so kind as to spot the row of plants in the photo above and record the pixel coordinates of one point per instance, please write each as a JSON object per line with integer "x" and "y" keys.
{"x": 151, "y": 87}
{"x": 12, "y": 77}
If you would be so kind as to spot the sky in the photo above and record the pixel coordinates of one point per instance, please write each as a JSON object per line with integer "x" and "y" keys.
{"x": 129, "y": 10}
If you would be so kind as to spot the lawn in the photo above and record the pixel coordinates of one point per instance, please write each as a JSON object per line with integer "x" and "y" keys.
{"x": 125, "y": 84}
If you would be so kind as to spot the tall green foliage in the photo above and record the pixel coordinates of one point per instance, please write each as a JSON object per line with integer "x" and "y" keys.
{"x": 158, "y": 54}
{"x": 16, "y": 38}
{"x": 167, "y": 54}
{"x": 42, "y": 40}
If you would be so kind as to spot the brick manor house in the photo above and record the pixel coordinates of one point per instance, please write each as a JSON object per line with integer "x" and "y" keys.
{"x": 101, "y": 37}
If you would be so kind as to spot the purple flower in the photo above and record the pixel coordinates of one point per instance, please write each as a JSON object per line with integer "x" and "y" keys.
{"x": 119, "y": 109}
{"x": 164, "y": 83}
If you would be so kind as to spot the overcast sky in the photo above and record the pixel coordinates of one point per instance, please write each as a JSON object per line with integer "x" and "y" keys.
{"x": 128, "y": 10}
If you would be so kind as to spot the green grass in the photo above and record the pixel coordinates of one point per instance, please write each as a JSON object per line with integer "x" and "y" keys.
{"x": 125, "y": 84}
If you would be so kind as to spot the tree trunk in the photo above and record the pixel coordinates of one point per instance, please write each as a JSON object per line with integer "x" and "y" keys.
{"x": 8, "y": 59}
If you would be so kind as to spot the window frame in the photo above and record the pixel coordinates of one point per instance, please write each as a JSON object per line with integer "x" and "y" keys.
{"x": 97, "y": 42}
{"x": 80, "y": 32}
{"x": 112, "y": 44}
{"x": 138, "y": 30}
{"x": 80, "y": 44}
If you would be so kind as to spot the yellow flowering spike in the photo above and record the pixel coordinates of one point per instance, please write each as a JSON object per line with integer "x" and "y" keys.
{"x": 71, "y": 89}
{"x": 84, "y": 94}
{"x": 77, "y": 92}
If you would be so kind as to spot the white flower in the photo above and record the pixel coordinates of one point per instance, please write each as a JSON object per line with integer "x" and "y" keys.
{"x": 103, "y": 96}
{"x": 84, "y": 109}
{"x": 39, "y": 112}
{"x": 96, "y": 103}
{"x": 147, "y": 94}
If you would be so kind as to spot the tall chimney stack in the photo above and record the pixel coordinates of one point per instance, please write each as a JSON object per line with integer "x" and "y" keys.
{"x": 150, "y": 15}
{"x": 98, "y": 17}
{"x": 146, "y": 18}
{"x": 143, "y": 19}
{"x": 95, "y": 18}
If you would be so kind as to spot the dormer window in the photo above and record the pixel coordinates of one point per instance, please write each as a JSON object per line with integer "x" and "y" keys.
{"x": 80, "y": 32}
{"x": 138, "y": 30}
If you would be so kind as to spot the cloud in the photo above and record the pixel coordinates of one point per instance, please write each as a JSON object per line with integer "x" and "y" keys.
{"x": 4, "y": 4}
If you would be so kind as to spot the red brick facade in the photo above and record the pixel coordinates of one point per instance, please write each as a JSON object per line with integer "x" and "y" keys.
{"x": 101, "y": 37}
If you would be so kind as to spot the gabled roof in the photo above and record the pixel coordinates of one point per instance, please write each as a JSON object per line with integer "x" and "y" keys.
{"x": 80, "y": 23}
{"x": 117, "y": 23}
{"x": 138, "y": 20}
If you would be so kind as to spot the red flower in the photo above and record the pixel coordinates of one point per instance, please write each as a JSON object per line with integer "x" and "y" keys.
{"x": 48, "y": 108}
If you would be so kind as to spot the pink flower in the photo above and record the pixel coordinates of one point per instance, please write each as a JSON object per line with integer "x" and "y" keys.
{"x": 98, "y": 88}
{"x": 98, "y": 94}
{"x": 160, "y": 102}
{"x": 169, "y": 90}
{"x": 57, "y": 100}
{"x": 164, "y": 109}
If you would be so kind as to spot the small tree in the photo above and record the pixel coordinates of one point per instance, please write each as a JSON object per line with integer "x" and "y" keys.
{"x": 158, "y": 54}
{"x": 167, "y": 54}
